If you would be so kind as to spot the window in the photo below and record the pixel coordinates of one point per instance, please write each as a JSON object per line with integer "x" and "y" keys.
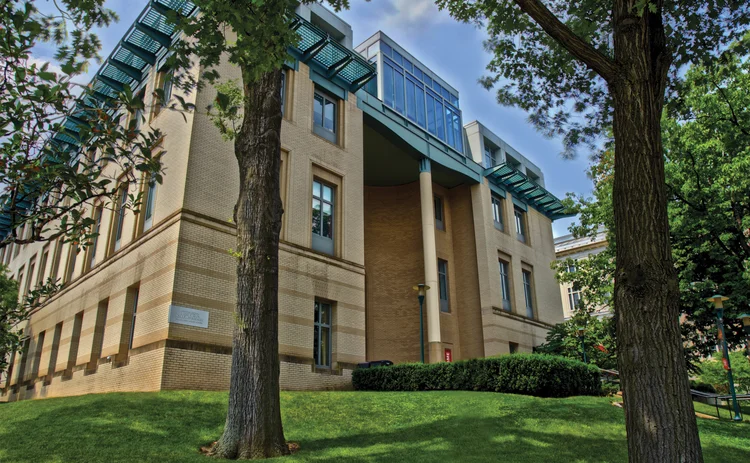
{"x": 164, "y": 86}
{"x": 135, "y": 118}
{"x": 55, "y": 349}
{"x": 29, "y": 277}
{"x": 497, "y": 212}
{"x": 37, "y": 355}
{"x": 439, "y": 213}
{"x": 489, "y": 157}
{"x": 520, "y": 217}
{"x": 119, "y": 216}
{"x": 71, "y": 267}
{"x": 513, "y": 347}
{"x": 95, "y": 241}
{"x": 56, "y": 258}
{"x": 149, "y": 204}
{"x": 322, "y": 217}
{"x": 528, "y": 293}
{"x": 133, "y": 310}
{"x": 26, "y": 345}
{"x": 283, "y": 91}
{"x": 99, "y": 326}
{"x": 571, "y": 267}
{"x": 324, "y": 116}
{"x": 505, "y": 285}
{"x": 574, "y": 297}
{"x": 75, "y": 339}
{"x": 20, "y": 282}
{"x": 443, "y": 285}
{"x": 322, "y": 335}
{"x": 42, "y": 266}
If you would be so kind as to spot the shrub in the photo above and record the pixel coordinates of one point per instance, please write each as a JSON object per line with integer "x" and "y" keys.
{"x": 529, "y": 374}
{"x": 702, "y": 387}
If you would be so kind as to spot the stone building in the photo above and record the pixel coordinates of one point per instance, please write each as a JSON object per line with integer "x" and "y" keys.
{"x": 383, "y": 187}
{"x": 570, "y": 247}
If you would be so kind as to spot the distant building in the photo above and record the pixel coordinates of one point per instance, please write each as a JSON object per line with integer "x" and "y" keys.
{"x": 568, "y": 246}
{"x": 383, "y": 188}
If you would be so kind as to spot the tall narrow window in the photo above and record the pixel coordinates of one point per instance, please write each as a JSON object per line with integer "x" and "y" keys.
{"x": 283, "y": 90}
{"x": 497, "y": 212}
{"x": 574, "y": 297}
{"x": 443, "y": 285}
{"x": 528, "y": 293}
{"x": 149, "y": 204}
{"x": 42, "y": 266}
{"x": 55, "y": 349}
{"x": 99, "y": 327}
{"x": 37, "y": 355}
{"x": 20, "y": 282}
{"x": 164, "y": 86}
{"x": 489, "y": 157}
{"x": 439, "y": 213}
{"x": 91, "y": 251}
{"x": 25, "y": 346}
{"x": 324, "y": 116}
{"x": 29, "y": 277}
{"x": 322, "y": 336}
{"x": 119, "y": 215}
{"x": 505, "y": 285}
{"x": 75, "y": 340}
{"x": 520, "y": 217}
{"x": 56, "y": 258}
{"x": 322, "y": 217}
{"x": 513, "y": 347}
{"x": 71, "y": 267}
{"x": 134, "y": 310}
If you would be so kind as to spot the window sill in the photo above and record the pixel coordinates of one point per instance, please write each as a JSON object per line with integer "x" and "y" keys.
{"x": 336, "y": 144}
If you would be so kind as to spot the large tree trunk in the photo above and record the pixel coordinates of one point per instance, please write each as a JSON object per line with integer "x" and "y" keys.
{"x": 253, "y": 427}
{"x": 659, "y": 415}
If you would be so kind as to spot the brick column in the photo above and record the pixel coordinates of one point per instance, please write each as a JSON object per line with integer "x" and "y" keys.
{"x": 432, "y": 303}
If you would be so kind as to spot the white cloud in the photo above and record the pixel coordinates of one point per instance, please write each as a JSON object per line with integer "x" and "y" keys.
{"x": 41, "y": 61}
{"x": 413, "y": 13}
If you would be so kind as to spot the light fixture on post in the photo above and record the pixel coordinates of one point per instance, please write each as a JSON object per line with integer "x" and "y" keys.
{"x": 718, "y": 301}
{"x": 421, "y": 289}
{"x": 581, "y": 332}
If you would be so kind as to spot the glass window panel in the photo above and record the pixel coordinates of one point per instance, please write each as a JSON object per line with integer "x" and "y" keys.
{"x": 411, "y": 108}
{"x": 439, "y": 123}
{"x": 327, "y": 220}
{"x": 388, "y": 84}
{"x": 454, "y": 100}
{"x": 316, "y": 189}
{"x": 446, "y": 94}
{"x": 427, "y": 80}
{"x": 418, "y": 73}
{"x": 419, "y": 98}
{"x": 458, "y": 132}
{"x": 318, "y": 110}
{"x": 431, "y": 114}
{"x": 316, "y": 225}
{"x": 330, "y": 115}
{"x": 398, "y": 93}
{"x": 327, "y": 193}
{"x": 436, "y": 86}
{"x": 385, "y": 48}
{"x": 408, "y": 66}
{"x": 397, "y": 58}
{"x": 449, "y": 128}
{"x": 373, "y": 49}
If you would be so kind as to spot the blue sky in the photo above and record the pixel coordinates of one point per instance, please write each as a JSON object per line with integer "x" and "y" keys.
{"x": 452, "y": 50}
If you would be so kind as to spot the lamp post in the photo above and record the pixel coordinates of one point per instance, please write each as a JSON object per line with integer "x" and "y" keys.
{"x": 745, "y": 317}
{"x": 421, "y": 289}
{"x": 718, "y": 301}
{"x": 581, "y": 332}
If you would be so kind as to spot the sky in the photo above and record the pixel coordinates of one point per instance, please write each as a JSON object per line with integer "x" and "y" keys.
{"x": 452, "y": 50}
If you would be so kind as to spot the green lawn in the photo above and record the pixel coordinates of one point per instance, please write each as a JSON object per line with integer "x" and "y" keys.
{"x": 340, "y": 426}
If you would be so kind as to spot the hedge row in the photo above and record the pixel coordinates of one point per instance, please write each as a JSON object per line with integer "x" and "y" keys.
{"x": 529, "y": 374}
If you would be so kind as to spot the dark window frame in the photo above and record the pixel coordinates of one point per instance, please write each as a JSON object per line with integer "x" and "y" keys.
{"x": 521, "y": 228}
{"x": 498, "y": 211}
{"x": 321, "y": 327}
{"x": 323, "y": 98}
{"x": 443, "y": 288}
{"x": 321, "y": 242}
{"x": 528, "y": 293}
{"x": 505, "y": 285}
{"x": 439, "y": 211}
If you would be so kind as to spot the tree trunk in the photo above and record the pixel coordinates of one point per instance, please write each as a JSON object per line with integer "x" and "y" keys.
{"x": 659, "y": 415}
{"x": 253, "y": 427}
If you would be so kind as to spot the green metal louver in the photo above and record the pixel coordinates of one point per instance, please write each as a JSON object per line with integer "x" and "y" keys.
{"x": 527, "y": 190}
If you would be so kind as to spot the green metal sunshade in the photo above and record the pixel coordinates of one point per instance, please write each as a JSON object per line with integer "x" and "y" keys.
{"x": 526, "y": 189}
{"x": 337, "y": 61}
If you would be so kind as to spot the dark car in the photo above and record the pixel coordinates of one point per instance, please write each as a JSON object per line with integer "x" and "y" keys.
{"x": 375, "y": 363}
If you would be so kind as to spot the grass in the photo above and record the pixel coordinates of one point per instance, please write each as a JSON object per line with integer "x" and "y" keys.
{"x": 341, "y": 426}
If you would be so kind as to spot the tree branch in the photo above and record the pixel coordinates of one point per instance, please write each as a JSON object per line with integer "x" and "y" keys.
{"x": 578, "y": 47}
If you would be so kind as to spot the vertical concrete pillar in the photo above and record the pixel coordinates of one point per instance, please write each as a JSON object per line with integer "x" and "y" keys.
{"x": 432, "y": 303}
